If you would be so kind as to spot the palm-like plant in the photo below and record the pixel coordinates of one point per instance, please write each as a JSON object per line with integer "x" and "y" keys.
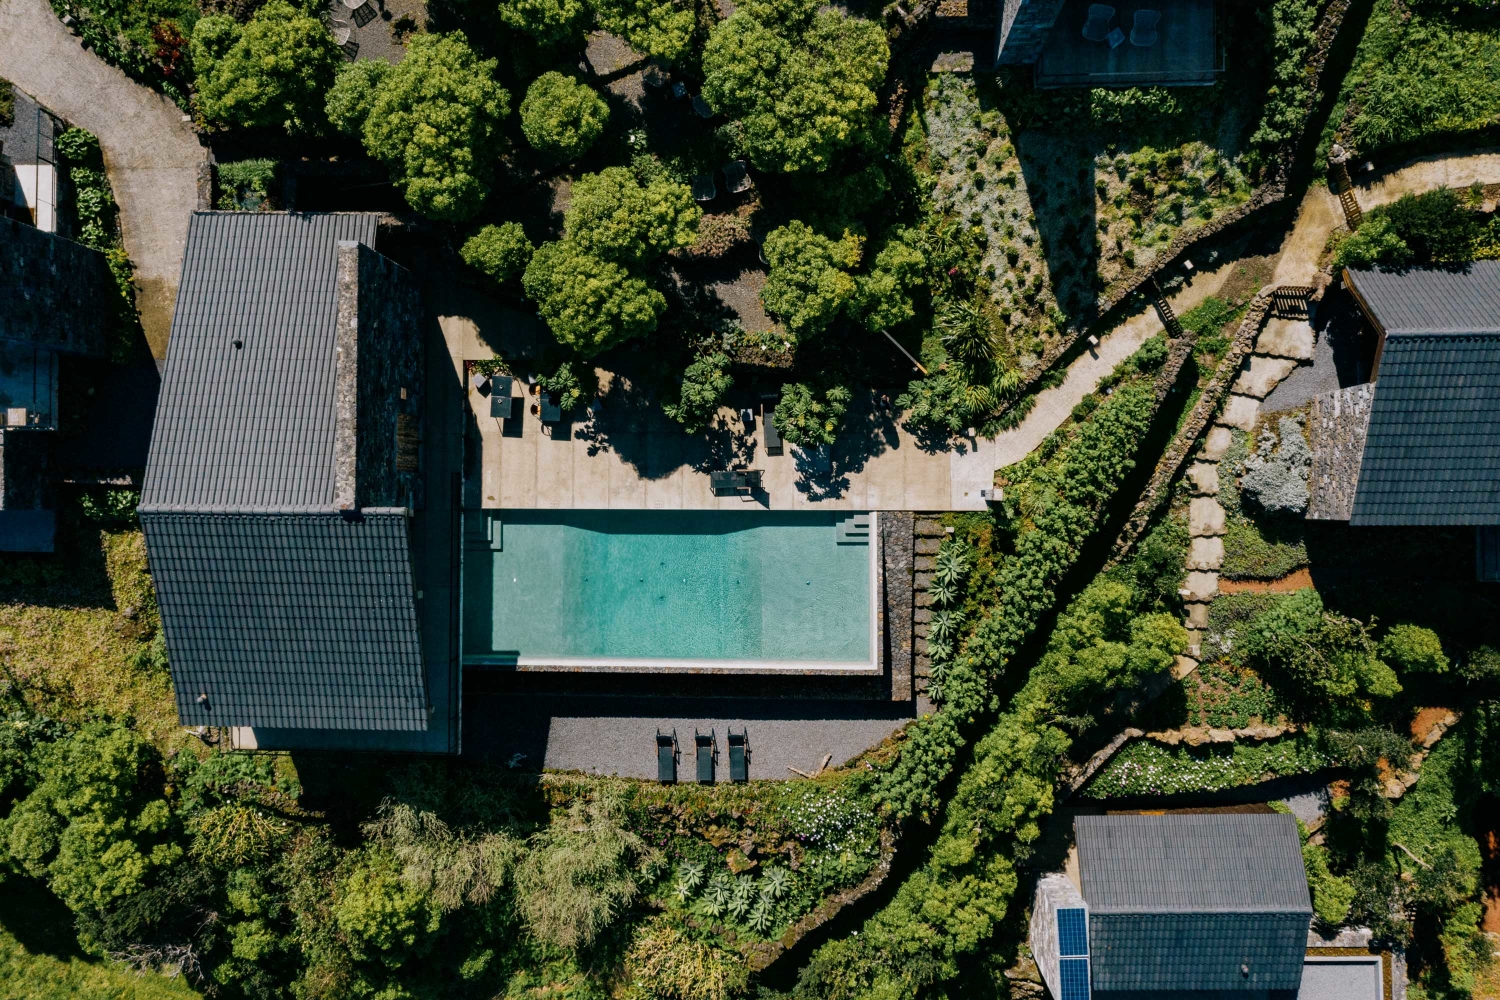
{"x": 952, "y": 563}
{"x": 967, "y": 332}
{"x": 760, "y": 917}
{"x": 942, "y": 594}
{"x": 716, "y": 899}
{"x": 689, "y": 878}
{"x": 944, "y": 626}
{"x": 742, "y": 897}
{"x": 775, "y": 883}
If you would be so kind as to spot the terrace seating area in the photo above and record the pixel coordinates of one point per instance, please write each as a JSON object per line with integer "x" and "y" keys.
{"x": 1162, "y": 42}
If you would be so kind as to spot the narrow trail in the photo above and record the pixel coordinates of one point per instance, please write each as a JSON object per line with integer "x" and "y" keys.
{"x": 153, "y": 157}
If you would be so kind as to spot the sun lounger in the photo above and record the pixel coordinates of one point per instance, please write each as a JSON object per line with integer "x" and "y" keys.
{"x": 706, "y": 749}
{"x": 739, "y": 755}
{"x": 1143, "y": 34}
{"x": 1096, "y": 28}
{"x": 773, "y": 437}
{"x": 666, "y": 757}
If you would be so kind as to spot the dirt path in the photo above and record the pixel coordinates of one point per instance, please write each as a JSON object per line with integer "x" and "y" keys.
{"x": 153, "y": 157}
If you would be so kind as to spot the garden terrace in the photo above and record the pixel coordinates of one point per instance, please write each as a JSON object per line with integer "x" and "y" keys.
{"x": 1188, "y": 50}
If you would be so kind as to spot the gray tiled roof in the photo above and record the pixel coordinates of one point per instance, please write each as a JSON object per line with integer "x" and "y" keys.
{"x": 1202, "y": 863}
{"x": 1432, "y": 450}
{"x": 252, "y": 427}
{"x": 1433, "y": 300}
{"x": 289, "y": 620}
{"x": 1214, "y": 901}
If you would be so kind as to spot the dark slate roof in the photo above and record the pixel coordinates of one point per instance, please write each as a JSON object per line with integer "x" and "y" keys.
{"x": 1215, "y": 901}
{"x": 252, "y": 427}
{"x": 1432, "y": 450}
{"x": 1192, "y": 863}
{"x": 289, "y": 620}
{"x": 1433, "y": 300}
{"x": 1155, "y": 953}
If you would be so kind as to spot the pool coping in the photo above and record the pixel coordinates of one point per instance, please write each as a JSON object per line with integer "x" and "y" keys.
{"x": 873, "y": 667}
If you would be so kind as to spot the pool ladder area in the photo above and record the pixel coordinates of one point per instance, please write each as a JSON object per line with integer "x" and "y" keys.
{"x": 482, "y": 530}
{"x": 853, "y": 530}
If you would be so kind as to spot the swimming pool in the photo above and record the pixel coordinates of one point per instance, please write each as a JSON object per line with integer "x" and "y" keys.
{"x": 615, "y": 589}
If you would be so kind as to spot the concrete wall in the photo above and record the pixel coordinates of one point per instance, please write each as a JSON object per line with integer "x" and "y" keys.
{"x": 1024, "y": 25}
{"x": 379, "y": 382}
{"x": 53, "y": 292}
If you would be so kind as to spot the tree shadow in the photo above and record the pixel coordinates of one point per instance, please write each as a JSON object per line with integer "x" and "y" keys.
{"x": 38, "y": 919}
{"x": 1059, "y": 174}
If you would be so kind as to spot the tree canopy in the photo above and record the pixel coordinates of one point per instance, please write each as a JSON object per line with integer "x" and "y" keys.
{"x": 433, "y": 119}
{"x": 499, "y": 252}
{"x": 616, "y": 217}
{"x": 801, "y": 81}
{"x": 550, "y": 22}
{"x": 660, "y": 28}
{"x": 811, "y": 416}
{"x": 589, "y": 303}
{"x": 809, "y": 281}
{"x": 270, "y": 73}
{"x": 562, "y": 117}
{"x": 703, "y": 387}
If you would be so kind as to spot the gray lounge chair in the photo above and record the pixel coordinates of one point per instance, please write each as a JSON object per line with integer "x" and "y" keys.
{"x": 739, "y": 755}
{"x": 666, "y": 757}
{"x": 1096, "y": 28}
{"x": 1143, "y": 33}
{"x": 706, "y": 748}
{"x": 773, "y": 437}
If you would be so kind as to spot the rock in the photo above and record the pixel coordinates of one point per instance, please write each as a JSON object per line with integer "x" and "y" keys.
{"x": 1221, "y": 736}
{"x": 1216, "y": 444}
{"x": 928, "y": 529}
{"x": 1205, "y": 477}
{"x": 738, "y": 862}
{"x": 922, "y": 615}
{"x": 1240, "y": 412}
{"x": 1202, "y": 586}
{"x": 1205, "y": 553}
{"x": 928, "y": 546}
{"x": 606, "y": 54}
{"x": 1195, "y": 736}
{"x": 1182, "y": 666}
{"x": 924, "y": 563}
{"x": 1261, "y": 375}
{"x": 1205, "y": 517}
{"x": 1197, "y": 615}
{"x": 1286, "y": 338}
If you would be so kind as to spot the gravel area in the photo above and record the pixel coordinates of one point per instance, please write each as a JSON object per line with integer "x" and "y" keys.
{"x": 153, "y": 157}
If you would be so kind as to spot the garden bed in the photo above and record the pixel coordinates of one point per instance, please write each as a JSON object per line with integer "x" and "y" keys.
{"x": 1148, "y": 768}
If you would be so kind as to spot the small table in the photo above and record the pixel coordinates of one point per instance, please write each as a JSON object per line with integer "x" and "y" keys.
{"x": 1115, "y": 38}
{"x": 551, "y": 412}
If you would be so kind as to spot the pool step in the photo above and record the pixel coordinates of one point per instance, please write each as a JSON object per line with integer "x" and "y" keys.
{"x": 853, "y": 530}
{"x": 482, "y": 531}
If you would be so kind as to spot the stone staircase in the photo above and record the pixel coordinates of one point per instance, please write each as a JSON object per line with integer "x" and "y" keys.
{"x": 482, "y": 531}
{"x": 853, "y": 530}
{"x": 929, "y": 536}
{"x": 1165, "y": 311}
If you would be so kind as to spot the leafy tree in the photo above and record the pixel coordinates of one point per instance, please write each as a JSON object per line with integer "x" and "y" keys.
{"x": 1435, "y": 227}
{"x": 581, "y": 874}
{"x": 659, "y": 28}
{"x": 704, "y": 384}
{"x": 385, "y": 917}
{"x": 809, "y": 416}
{"x": 500, "y": 252}
{"x": 1374, "y": 242}
{"x": 809, "y": 281}
{"x": 800, "y": 80}
{"x": 883, "y": 297}
{"x": 353, "y": 94}
{"x": 589, "y": 303}
{"x": 551, "y": 22}
{"x": 1329, "y": 657}
{"x": 1412, "y": 648}
{"x": 562, "y": 117}
{"x": 614, "y": 216}
{"x": 272, "y": 73}
{"x": 433, "y": 120}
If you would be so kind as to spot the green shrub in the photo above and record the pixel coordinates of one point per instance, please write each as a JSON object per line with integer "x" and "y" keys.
{"x": 1330, "y": 659}
{"x": 565, "y": 387}
{"x": 1414, "y": 649}
{"x": 704, "y": 385}
{"x": 810, "y": 416}
{"x": 616, "y": 217}
{"x": 589, "y": 304}
{"x": 245, "y": 184}
{"x": 1435, "y": 227}
{"x": 562, "y": 117}
{"x": 501, "y": 252}
{"x": 551, "y": 22}
{"x": 809, "y": 282}
{"x": 1288, "y": 102}
{"x": 1331, "y": 895}
{"x": 432, "y": 119}
{"x": 1149, "y": 768}
{"x": 272, "y": 73}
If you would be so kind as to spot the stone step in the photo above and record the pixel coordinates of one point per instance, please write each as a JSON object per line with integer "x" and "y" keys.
{"x": 853, "y": 530}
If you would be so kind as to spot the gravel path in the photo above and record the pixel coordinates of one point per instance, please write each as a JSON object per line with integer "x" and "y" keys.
{"x": 153, "y": 157}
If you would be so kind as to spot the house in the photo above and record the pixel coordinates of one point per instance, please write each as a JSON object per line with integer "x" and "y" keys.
{"x": 284, "y": 488}
{"x": 1079, "y": 43}
{"x": 1420, "y": 444}
{"x": 1208, "y": 905}
{"x": 54, "y": 292}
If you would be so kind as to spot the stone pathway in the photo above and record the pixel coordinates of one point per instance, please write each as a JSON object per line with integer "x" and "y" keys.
{"x": 1284, "y": 344}
{"x": 154, "y": 159}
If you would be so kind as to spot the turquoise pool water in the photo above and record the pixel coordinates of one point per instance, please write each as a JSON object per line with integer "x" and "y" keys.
{"x": 654, "y": 585}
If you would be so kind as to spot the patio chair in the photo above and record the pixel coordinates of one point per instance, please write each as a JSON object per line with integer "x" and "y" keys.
{"x": 1143, "y": 33}
{"x": 737, "y": 174}
{"x": 1096, "y": 28}
{"x": 739, "y": 755}
{"x": 500, "y": 396}
{"x": 666, "y": 757}
{"x": 773, "y": 437}
{"x": 341, "y": 32}
{"x": 707, "y": 750}
{"x": 704, "y": 188}
{"x": 752, "y": 479}
{"x": 704, "y": 109}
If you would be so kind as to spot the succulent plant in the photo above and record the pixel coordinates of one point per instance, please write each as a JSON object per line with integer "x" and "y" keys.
{"x": 689, "y": 878}
{"x": 775, "y": 883}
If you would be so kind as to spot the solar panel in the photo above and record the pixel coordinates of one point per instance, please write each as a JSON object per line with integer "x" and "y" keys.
{"x": 1075, "y": 979}
{"x": 1072, "y": 932}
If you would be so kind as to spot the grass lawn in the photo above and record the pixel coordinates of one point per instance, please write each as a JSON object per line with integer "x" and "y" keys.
{"x": 1424, "y": 72}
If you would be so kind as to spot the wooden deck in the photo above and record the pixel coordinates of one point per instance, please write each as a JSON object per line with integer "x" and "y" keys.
{"x": 1187, "y": 51}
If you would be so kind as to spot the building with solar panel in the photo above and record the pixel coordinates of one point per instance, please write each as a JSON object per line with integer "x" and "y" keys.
{"x": 1209, "y": 905}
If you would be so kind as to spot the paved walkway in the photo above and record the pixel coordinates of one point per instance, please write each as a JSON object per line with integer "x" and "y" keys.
{"x": 153, "y": 157}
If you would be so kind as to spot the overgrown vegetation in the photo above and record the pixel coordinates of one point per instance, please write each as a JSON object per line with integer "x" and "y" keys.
{"x": 1440, "y": 227}
{"x": 1263, "y": 492}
